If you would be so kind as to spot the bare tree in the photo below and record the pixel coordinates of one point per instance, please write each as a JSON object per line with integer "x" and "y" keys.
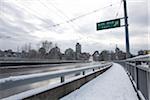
{"x": 26, "y": 47}
{"x": 47, "y": 45}
{"x": 32, "y": 53}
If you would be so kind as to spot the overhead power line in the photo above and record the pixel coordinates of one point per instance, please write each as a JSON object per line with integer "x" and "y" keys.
{"x": 62, "y": 13}
{"x": 35, "y": 14}
{"x": 81, "y": 16}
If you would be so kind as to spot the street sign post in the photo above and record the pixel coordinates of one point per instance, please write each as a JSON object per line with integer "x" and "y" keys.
{"x": 108, "y": 24}
{"x": 126, "y": 30}
{"x": 116, "y": 23}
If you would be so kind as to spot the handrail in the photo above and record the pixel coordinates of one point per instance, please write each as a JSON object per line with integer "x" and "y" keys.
{"x": 13, "y": 81}
{"x": 140, "y": 58}
{"x": 139, "y": 66}
{"x": 138, "y": 69}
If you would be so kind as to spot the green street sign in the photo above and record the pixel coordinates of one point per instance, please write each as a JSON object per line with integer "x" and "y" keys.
{"x": 108, "y": 24}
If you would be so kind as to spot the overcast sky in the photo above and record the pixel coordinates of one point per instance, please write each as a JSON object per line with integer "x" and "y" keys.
{"x": 32, "y": 21}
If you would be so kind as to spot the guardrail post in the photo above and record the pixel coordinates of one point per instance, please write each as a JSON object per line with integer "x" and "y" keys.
{"x": 93, "y": 70}
{"x": 83, "y": 73}
{"x": 148, "y": 84}
{"x": 135, "y": 75}
{"x": 62, "y": 79}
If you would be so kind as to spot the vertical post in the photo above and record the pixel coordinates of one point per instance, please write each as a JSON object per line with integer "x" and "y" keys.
{"x": 62, "y": 79}
{"x": 126, "y": 30}
{"x": 148, "y": 84}
{"x": 135, "y": 74}
{"x": 83, "y": 73}
{"x": 93, "y": 69}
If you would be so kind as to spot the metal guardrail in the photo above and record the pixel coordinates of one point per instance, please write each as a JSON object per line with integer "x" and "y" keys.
{"x": 10, "y": 82}
{"x": 139, "y": 70}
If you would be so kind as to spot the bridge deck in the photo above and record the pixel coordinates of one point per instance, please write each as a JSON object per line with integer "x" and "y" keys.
{"x": 114, "y": 84}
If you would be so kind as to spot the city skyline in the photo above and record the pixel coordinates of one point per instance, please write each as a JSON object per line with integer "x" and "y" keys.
{"x": 31, "y": 21}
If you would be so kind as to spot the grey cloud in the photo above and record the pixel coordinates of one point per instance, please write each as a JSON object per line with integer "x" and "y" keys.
{"x": 19, "y": 27}
{"x": 48, "y": 24}
{"x": 136, "y": 47}
{"x": 11, "y": 9}
{"x": 138, "y": 13}
{"x": 12, "y": 30}
{"x": 87, "y": 28}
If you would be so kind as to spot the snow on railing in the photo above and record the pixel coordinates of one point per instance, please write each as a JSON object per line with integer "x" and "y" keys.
{"x": 140, "y": 58}
{"x": 13, "y": 81}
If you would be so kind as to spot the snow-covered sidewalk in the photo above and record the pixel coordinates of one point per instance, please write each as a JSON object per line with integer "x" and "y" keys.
{"x": 114, "y": 84}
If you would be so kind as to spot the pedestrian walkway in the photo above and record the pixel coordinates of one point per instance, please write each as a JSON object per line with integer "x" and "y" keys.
{"x": 114, "y": 84}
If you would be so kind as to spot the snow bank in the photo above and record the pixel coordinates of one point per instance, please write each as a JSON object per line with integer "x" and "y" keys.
{"x": 114, "y": 84}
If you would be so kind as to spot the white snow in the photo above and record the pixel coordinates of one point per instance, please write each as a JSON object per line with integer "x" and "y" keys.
{"x": 114, "y": 84}
{"x": 145, "y": 65}
{"x": 141, "y": 95}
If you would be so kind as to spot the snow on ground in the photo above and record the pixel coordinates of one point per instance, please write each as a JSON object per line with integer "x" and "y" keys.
{"x": 114, "y": 84}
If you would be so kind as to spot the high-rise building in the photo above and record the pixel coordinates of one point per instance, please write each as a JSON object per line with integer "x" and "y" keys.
{"x": 78, "y": 48}
{"x": 78, "y": 51}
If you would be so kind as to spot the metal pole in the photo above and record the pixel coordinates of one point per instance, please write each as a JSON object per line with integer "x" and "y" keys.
{"x": 126, "y": 30}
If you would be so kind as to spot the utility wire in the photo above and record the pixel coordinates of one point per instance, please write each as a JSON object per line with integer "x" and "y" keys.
{"x": 43, "y": 4}
{"x": 34, "y": 13}
{"x": 75, "y": 18}
{"x": 62, "y": 13}
{"x": 81, "y": 16}
{"x": 117, "y": 13}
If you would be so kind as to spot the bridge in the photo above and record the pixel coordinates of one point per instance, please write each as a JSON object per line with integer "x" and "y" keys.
{"x": 122, "y": 80}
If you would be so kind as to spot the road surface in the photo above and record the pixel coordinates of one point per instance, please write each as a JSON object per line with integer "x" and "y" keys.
{"x": 31, "y": 69}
